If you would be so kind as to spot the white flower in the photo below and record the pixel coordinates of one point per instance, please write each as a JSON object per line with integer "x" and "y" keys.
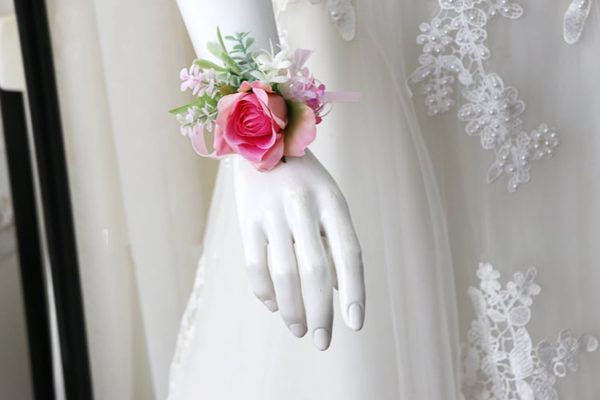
{"x": 273, "y": 67}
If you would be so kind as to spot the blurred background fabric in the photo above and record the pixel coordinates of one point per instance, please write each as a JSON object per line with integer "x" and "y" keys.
{"x": 139, "y": 193}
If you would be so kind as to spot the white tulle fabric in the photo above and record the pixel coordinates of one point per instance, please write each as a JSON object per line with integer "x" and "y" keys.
{"x": 239, "y": 350}
{"x": 425, "y": 217}
{"x": 342, "y": 14}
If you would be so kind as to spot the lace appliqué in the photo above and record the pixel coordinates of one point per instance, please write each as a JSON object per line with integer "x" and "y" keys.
{"x": 341, "y": 14}
{"x": 454, "y": 49}
{"x": 499, "y": 359}
{"x": 575, "y": 18}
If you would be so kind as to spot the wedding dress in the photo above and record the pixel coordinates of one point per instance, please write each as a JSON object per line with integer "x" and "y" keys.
{"x": 457, "y": 191}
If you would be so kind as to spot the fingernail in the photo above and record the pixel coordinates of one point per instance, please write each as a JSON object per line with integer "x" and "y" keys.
{"x": 298, "y": 330}
{"x": 271, "y": 305}
{"x": 356, "y": 316}
{"x": 321, "y": 338}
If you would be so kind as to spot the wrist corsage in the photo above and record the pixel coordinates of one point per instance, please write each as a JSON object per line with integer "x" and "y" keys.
{"x": 260, "y": 104}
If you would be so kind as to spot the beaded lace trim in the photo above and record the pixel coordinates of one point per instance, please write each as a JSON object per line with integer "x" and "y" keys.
{"x": 499, "y": 359}
{"x": 575, "y": 18}
{"x": 454, "y": 54}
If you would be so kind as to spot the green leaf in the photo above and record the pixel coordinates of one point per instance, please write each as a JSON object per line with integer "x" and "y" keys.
{"x": 206, "y": 64}
{"x": 182, "y": 109}
{"x": 229, "y": 62}
{"x": 221, "y": 42}
{"x": 214, "y": 48}
{"x": 198, "y": 102}
{"x": 249, "y": 42}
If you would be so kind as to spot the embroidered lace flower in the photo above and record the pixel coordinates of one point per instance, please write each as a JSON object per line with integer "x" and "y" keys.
{"x": 499, "y": 359}
{"x": 454, "y": 50}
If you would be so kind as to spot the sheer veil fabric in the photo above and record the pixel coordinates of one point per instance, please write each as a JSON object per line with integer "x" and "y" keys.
{"x": 230, "y": 347}
{"x": 426, "y": 217}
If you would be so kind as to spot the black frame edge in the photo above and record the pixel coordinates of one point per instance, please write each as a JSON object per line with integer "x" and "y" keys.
{"x": 42, "y": 92}
{"x": 31, "y": 261}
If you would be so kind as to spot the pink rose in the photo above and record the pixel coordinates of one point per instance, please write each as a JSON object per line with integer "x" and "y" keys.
{"x": 258, "y": 124}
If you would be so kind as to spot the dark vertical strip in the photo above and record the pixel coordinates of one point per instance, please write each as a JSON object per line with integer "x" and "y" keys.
{"x": 56, "y": 202}
{"x": 28, "y": 243}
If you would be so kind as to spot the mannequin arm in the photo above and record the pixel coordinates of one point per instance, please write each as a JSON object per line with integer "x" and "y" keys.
{"x": 290, "y": 216}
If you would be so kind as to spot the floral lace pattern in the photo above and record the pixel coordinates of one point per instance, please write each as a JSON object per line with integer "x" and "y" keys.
{"x": 341, "y": 14}
{"x": 575, "y": 18}
{"x": 453, "y": 49}
{"x": 499, "y": 359}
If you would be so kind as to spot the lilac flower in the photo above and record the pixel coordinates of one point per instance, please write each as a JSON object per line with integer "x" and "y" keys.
{"x": 201, "y": 82}
{"x": 197, "y": 119}
{"x": 191, "y": 79}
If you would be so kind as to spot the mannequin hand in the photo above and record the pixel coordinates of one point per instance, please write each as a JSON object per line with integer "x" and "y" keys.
{"x": 289, "y": 217}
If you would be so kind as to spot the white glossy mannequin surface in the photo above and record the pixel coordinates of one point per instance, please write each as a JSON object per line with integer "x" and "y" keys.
{"x": 292, "y": 216}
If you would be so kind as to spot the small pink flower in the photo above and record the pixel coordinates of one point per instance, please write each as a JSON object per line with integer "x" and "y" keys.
{"x": 191, "y": 79}
{"x": 303, "y": 86}
{"x": 199, "y": 81}
{"x": 257, "y": 124}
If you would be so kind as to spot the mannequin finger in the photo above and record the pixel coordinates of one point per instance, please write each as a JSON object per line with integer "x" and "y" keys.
{"x": 330, "y": 263}
{"x": 345, "y": 249}
{"x": 315, "y": 276}
{"x": 255, "y": 250}
{"x": 286, "y": 281}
